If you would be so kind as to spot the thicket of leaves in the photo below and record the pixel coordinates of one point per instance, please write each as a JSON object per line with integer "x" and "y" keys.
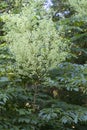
{"x": 71, "y": 21}
{"x": 40, "y": 89}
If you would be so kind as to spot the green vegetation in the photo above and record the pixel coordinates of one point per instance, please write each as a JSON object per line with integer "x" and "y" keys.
{"x": 43, "y": 70}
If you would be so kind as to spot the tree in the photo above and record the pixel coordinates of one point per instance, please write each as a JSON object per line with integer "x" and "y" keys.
{"x": 72, "y": 24}
{"x": 37, "y": 47}
{"x": 73, "y": 28}
{"x": 35, "y": 42}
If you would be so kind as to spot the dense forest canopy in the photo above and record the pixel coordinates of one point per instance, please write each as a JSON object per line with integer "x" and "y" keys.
{"x": 43, "y": 65}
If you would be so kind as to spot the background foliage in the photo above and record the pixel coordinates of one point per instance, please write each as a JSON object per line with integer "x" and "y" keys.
{"x": 43, "y": 71}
